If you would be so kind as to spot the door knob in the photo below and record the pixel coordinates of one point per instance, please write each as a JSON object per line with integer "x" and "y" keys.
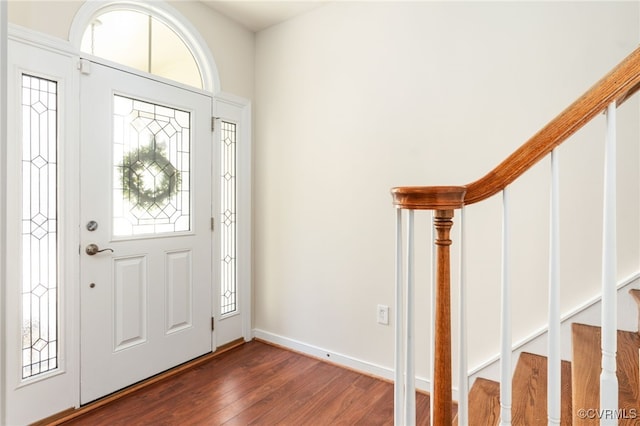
{"x": 93, "y": 249}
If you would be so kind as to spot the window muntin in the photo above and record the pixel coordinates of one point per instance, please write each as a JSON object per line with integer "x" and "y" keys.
{"x": 141, "y": 41}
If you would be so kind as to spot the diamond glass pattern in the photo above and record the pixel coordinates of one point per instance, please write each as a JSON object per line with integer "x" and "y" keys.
{"x": 39, "y": 226}
{"x": 151, "y": 163}
{"x": 228, "y": 302}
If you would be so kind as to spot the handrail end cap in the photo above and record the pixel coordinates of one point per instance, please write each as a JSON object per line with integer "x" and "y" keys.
{"x": 428, "y": 197}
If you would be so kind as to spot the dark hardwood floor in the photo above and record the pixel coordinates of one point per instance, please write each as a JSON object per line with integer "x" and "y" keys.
{"x": 257, "y": 383}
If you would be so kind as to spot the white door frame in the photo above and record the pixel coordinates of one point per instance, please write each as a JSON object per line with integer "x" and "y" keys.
{"x": 238, "y": 110}
{"x": 59, "y": 385}
{"x": 3, "y": 196}
{"x": 40, "y": 390}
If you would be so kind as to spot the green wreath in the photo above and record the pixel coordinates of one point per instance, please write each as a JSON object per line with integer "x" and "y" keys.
{"x": 150, "y": 159}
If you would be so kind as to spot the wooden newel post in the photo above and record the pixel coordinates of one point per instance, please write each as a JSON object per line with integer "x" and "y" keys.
{"x": 442, "y": 382}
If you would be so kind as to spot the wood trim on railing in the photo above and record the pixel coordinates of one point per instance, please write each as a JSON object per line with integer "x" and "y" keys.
{"x": 618, "y": 85}
{"x": 428, "y": 197}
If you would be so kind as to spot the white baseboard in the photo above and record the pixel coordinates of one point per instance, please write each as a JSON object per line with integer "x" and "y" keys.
{"x": 337, "y": 358}
{"x": 588, "y": 313}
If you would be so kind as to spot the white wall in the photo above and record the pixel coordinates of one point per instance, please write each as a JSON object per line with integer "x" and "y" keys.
{"x": 232, "y": 46}
{"x": 357, "y": 97}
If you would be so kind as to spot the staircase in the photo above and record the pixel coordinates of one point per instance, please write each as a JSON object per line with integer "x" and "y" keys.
{"x": 542, "y": 389}
{"x": 580, "y": 384}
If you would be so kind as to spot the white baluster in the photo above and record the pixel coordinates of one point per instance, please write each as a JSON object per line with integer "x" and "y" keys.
{"x": 398, "y": 405}
{"x": 555, "y": 362}
{"x": 3, "y": 178}
{"x": 608, "y": 379}
{"x": 505, "y": 319}
{"x": 410, "y": 384}
{"x": 463, "y": 379}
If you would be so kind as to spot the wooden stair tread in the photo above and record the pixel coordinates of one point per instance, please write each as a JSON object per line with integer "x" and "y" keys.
{"x": 484, "y": 403}
{"x": 587, "y": 357}
{"x": 529, "y": 401}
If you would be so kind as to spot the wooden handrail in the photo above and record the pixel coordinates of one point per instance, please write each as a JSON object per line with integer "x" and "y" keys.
{"x": 618, "y": 85}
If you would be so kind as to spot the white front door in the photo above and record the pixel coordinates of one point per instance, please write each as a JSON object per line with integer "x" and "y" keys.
{"x": 146, "y": 240}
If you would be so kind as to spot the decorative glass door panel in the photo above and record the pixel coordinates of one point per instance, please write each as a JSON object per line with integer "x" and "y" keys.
{"x": 151, "y": 168}
{"x": 145, "y": 202}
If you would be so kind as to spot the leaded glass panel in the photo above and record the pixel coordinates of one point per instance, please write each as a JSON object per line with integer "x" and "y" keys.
{"x": 151, "y": 163}
{"x": 228, "y": 277}
{"x": 39, "y": 226}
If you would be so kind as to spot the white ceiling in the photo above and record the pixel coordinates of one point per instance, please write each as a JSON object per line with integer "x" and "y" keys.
{"x": 257, "y": 15}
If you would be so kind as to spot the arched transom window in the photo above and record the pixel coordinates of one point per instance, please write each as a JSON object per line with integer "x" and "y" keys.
{"x": 141, "y": 41}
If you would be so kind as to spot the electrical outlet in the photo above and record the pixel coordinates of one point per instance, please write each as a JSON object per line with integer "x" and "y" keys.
{"x": 383, "y": 314}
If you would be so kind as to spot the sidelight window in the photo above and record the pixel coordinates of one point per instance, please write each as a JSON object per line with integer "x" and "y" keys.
{"x": 228, "y": 302}
{"x": 39, "y": 226}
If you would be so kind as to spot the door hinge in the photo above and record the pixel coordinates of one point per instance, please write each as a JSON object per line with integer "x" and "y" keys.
{"x": 213, "y": 224}
{"x": 213, "y": 124}
{"x": 213, "y": 325}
